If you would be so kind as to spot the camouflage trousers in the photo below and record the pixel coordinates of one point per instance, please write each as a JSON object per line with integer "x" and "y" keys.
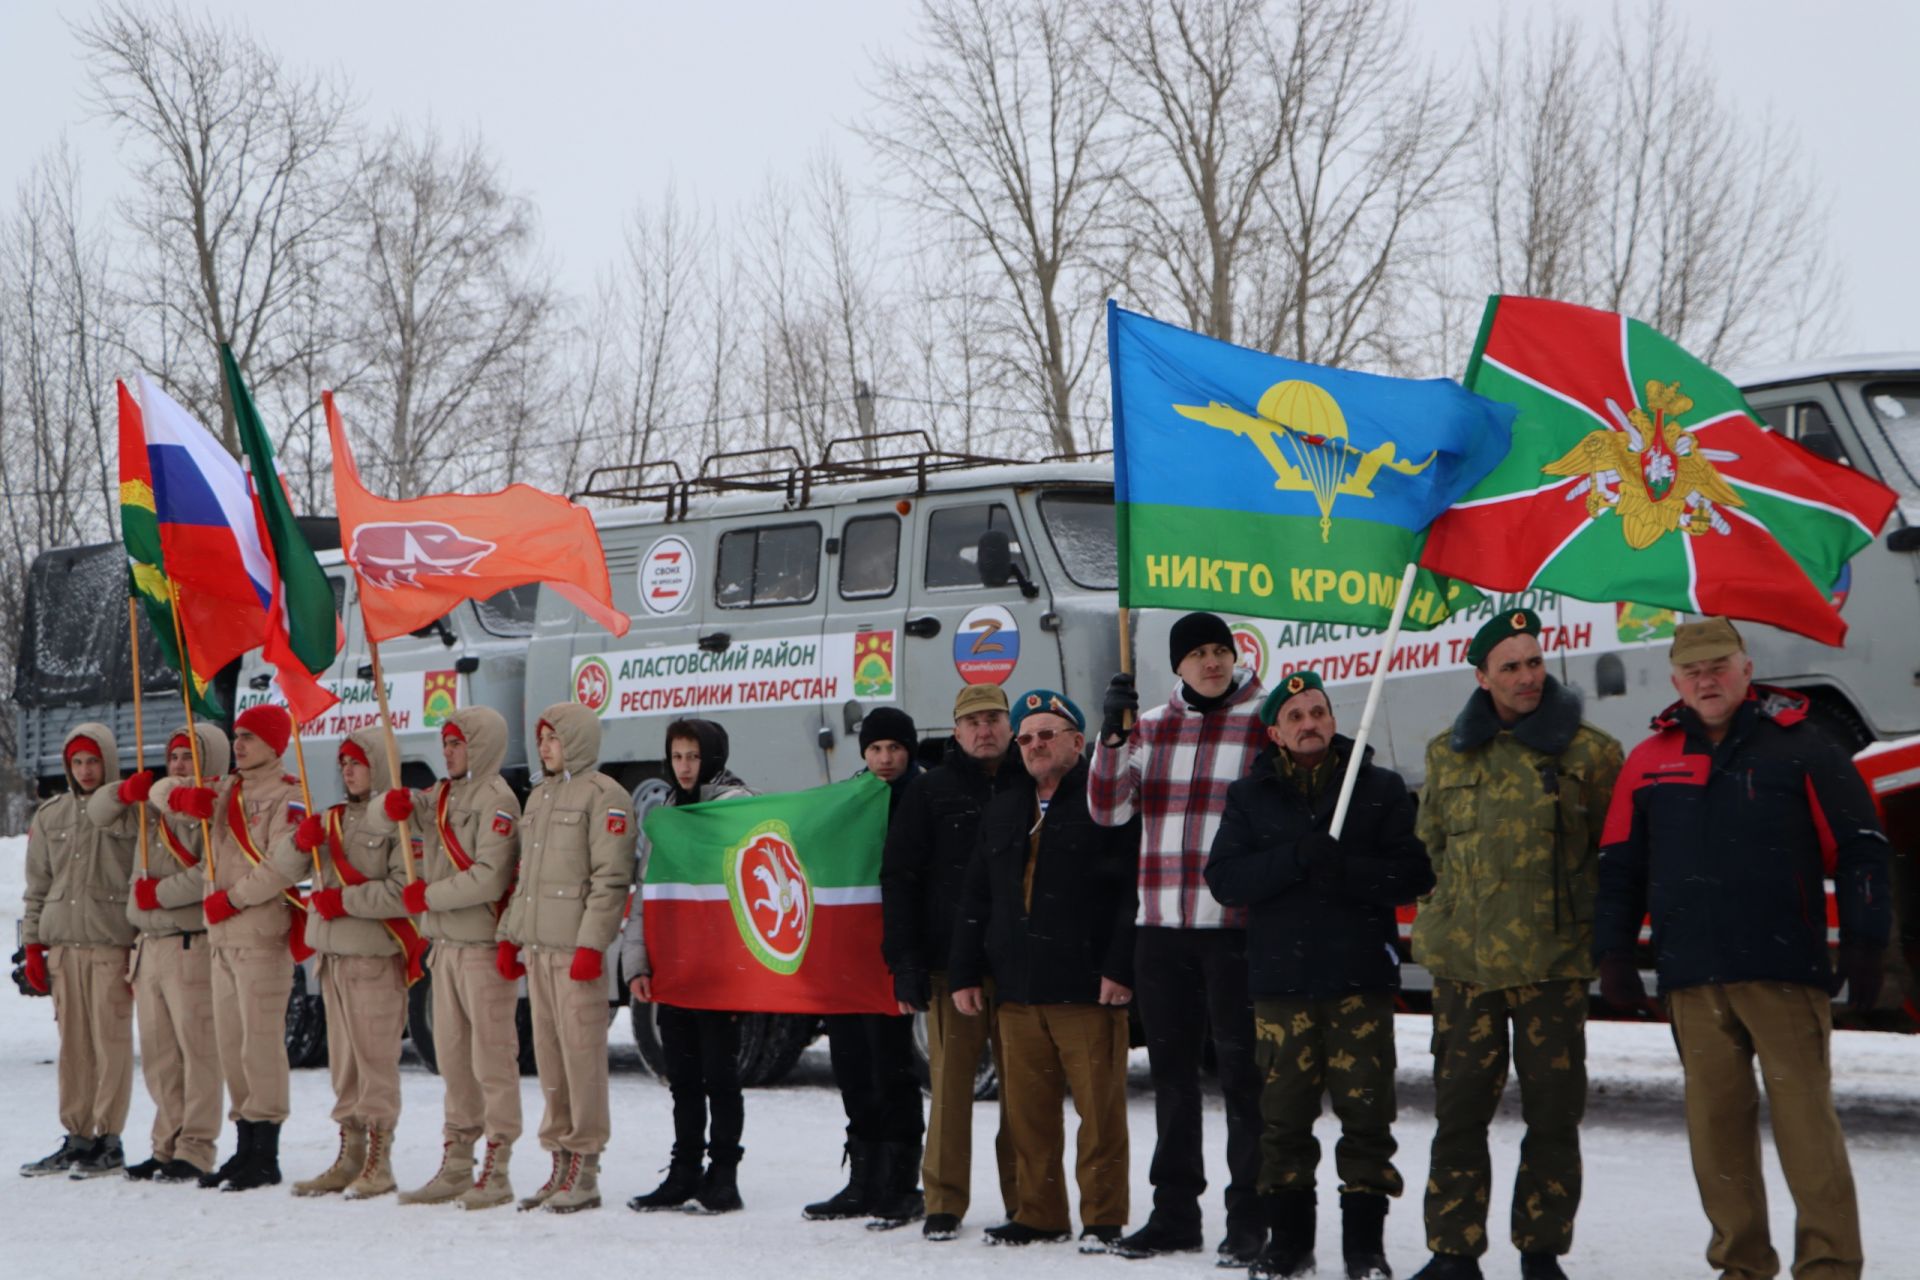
{"x": 1343, "y": 1048}
{"x": 1471, "y": 1050}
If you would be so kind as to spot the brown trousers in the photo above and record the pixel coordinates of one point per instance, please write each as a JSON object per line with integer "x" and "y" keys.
{"x": 366, "y": 1002}
{"x": 1048, "y": 1050}
{"x": 954, "y": 1045}
{"x": 250, "y": 990}
{"x": 1719, "y": 1030}
{"x": 570, "y": 1052}
{"x": 94, "y": 1010}
{"x": 477, "y": 1044}
{"x": 173, "y": 1003}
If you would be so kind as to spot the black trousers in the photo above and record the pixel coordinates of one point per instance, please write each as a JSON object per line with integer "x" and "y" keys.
{"x": 1189, "y": 984}
{"x": 872, "y": 1055}
{"x": 702, "y": 1051}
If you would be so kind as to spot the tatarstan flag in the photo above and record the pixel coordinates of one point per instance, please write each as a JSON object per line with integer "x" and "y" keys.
{"x": 769, "y": 904}
{"x": 1639, "y": 474}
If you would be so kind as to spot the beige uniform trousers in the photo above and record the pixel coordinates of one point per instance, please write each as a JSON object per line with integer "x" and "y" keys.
{"x": 477, "y": 1044}
{"x": 173, "y": 1002}
{"x": 1048, "y": 1050}
{"x": 1719, "y": 1030}
{"x": 570, "y": 1052}
{"x": 250, "y": 990}
{"x": 954, "y": 1045}
{"x": 94, "y": 1010}
{"x": 366, "y": 1001}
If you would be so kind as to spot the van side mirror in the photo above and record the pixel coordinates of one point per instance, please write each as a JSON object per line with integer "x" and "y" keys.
{"x": 994, "y": 557}
{"x": 1907, "y": 539}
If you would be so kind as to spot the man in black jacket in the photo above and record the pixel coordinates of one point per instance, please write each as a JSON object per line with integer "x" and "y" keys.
{"x": 1322, "y": 967}
{"x": 921, "y": 878}
{"x": 1725, "y": 823}
{"x": 1049, "y": 906}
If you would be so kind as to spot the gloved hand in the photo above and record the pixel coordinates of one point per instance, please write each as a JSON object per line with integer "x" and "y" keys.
{"x": 586, "y": 965}
{"x": 414, "y": 896}
{"x": 1620, "y": 982}
{"x": 194, "y": 802}
{"x": 146, "y": 893}
{"x": 219, "y": 907}
{"x": 330, "y": 903}
{"x": 1120, "y": 709}
{"x": 1321, "y": 852}
{"x": 310, "y": 834}
{"x": 37, "y": 969}
{"x": 1864, "y": 968}
{"x": 506, "y": 961}
{"x": 913, "y": 987}
{"x": 398, "y": 804}
{"x": 134, "y": 789}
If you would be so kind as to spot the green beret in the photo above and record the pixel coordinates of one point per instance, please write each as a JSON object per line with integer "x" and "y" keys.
{"x": 1287, "y": 686}
{"x": 1034, "y": 701}
{"x": 1503, "y": 626}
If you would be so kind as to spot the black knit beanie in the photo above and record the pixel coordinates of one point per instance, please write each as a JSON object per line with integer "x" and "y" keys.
{"x": 1193, "y": 631}
{"x": 889, "y": 724}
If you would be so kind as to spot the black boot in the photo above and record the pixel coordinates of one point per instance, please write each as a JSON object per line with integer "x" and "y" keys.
{"x": 72, "y": 1147}
{"x": 104, "y": 1157}
{"x": 146, "y": 1169}
{"x": 854, "y": 1199}
{"x": 896, "y": 1198}
{"x": 1541, "y": 1266}
{"x": 1291, "y": 1217}
{"x": 1449, "y": 1266}
{"x": 262, "y": 1168}
{"x": 242, "y": 1152}
{"x": 682, "y": 1180}
{"x": 1157, "y": 1237}
{"x": 719, "y": 1189}
{"x": 1363, "y": 1225}
{"x": 1244, "y": 1240}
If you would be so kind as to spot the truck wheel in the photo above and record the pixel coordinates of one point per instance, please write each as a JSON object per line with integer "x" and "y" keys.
{"x": 782, "y": 1038}
{"x": 646, "y": 1038}
{"x": 306, "y": 1024}
{"x": 420, "y": 1022}
{"x": 1840, "y": 722}
{"x": 986, "y": 1082}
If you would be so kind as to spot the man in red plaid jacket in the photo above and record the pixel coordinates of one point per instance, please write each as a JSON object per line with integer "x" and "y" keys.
{"x": 1173, "y": 768}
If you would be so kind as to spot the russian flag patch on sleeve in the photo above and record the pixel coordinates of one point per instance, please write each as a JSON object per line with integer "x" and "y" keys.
{"x": 502, "y": 822}
{"x": 616, "y": 822}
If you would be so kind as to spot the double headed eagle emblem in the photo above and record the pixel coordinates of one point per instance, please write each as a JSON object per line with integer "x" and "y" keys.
{"x": 1651, "y": 472}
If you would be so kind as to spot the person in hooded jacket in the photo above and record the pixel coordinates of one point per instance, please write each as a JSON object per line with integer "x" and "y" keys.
{"x": 1322, "y": 967}
{"x": 172, "y": 969}
{"x": 359, "y": 870}
{"x": 872, "y": 1053}
{"x": 576, "y": 863}
{"x": 77, "y": 938}
{"x": 471, "y": 824}
{"x": 701, "y": 1046}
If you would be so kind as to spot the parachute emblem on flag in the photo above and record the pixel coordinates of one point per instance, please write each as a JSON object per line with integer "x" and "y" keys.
{"x": 771, "y": 896}
{"x": 1308, "y": 419}
{"x": 395, "y": 555}
{"x": 1651, "y": 472}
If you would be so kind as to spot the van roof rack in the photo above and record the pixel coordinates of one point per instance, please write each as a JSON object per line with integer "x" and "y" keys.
{"x": 907, "y": 452}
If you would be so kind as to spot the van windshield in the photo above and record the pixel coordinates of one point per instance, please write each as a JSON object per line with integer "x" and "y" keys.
{"x": 1896, "y": 408}
{"x": 1080, "y": 523}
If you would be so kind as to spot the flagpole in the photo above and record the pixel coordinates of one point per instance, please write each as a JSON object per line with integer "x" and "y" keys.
{"x": 186, "y": 700}
{"x": 139, "y": 727}
{"x": 393, "y": 746}
{"x": 306, "y": 796}
{"x": 1126, "y": 655}
{"x": 1387, "y": 643}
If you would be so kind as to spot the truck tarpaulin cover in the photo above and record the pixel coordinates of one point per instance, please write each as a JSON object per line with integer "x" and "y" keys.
{"x": 73, "y": 647}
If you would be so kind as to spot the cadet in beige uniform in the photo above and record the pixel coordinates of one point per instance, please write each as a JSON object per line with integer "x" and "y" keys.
{"x": 172, "y": 970}
{"x": 250, "y": 925}
{"x": 471, "y": 822}
{"x": 576, "y": 848}
{"x": 76, "y": 935}
{"x": 364, "y": 940}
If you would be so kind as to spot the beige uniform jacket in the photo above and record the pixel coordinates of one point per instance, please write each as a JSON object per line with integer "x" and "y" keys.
{"x": 576, "y": 848}
{"x": 270, "y": 802}
{"x": 372, "y": 846}
{"x": 79, "y": 872}
{"x": 181, "y": 887}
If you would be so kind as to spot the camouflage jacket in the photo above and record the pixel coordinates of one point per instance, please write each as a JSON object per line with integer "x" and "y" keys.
{"x": 1511, "y": 819}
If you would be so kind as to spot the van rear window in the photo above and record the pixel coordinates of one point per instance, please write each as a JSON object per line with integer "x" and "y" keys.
{"x": 1081, "y": 527}
{"x": 770, "y": 565}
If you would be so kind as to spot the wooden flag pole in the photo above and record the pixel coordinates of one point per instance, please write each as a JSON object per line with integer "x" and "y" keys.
{"x": 393, "y": 749}
{"x": 139, "y": 726}
{"x": 1126, "y": 653}
{"x": 1387, "y": 643}
{"x": 193, "y": 735}
{"x": 306, "y": 794}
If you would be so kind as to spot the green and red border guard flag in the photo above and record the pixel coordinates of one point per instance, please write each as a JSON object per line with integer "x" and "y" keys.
{"x": 769, "y": 904}
{"x": 1637, "y": 473}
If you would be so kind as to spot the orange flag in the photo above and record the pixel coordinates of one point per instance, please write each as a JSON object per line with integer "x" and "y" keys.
{"x": 420, "y": 557}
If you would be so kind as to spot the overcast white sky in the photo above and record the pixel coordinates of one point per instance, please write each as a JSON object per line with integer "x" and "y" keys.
{"x": 593, "y": 106}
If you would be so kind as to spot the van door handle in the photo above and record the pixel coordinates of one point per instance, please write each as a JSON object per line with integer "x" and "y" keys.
{"x": 718, "y": 642}
{"x": 926, "y": 628}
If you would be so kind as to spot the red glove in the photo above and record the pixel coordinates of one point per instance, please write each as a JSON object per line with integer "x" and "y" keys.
{"x": 330, "y": 903}
{"x": 415, "y": 898}
{"x": 146, "y": 893}
{"x": 195, "y": 802}
{"x": 310, "y": 834}
{"x": 399, "y": 803}
{"x": 37, "y": 969}
{"x": 586, "y": 965}
{"x": 135, "y": 788}
{"x": 219, "y": 907}
{"x": 507, "y": 961}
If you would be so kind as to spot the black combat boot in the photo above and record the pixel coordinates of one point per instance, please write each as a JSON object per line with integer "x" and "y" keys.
{"x": 682, "y": 1180}
{"x": 262, "y": 1168}
{"x": 896, "y": 1198}
{"x": 146, "y": 1169}
{"x": 1157, "y": 1237}
{"x": 1291, "y": 1217}
{"x": 1450, "y": 1266}
{"x": 1363, "y": 1226}
{"x": 1541, "y": 1266}
{"x": 719, "y": 1189}
{"x": 242, "y": 1152}
{"x": 854, "y": 1199}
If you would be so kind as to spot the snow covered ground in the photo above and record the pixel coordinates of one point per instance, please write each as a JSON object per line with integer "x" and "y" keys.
{"x": 1640, "y": 1217}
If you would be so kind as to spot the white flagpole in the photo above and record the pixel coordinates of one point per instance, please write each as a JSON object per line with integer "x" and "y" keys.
{"x": 1387, "y": 643}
